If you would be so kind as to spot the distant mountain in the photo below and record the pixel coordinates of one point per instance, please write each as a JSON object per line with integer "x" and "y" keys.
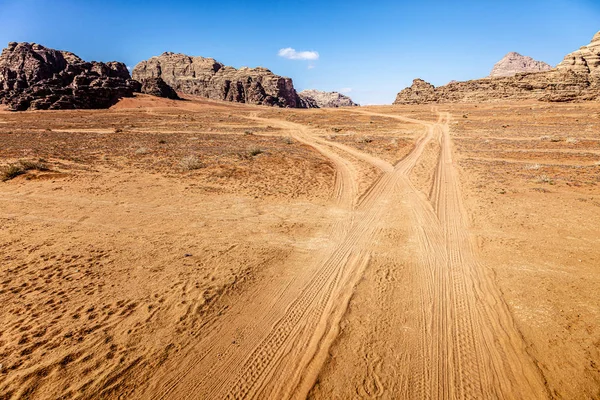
{"x": 325, "y": 99}
{"x": 514, "y": 63}
{"x": 576, "y": 78}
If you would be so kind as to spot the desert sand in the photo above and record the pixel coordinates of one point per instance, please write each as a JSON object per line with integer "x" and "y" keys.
{"x": 169, "y": 249}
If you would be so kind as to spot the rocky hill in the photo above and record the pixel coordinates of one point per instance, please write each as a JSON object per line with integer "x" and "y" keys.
{"x": 326, "y": 99}
{"x": 576, "y": 78}
{"x": 208, "y": 78}
{"x": 33, "y": 77}
{"x": 514, "y": 63}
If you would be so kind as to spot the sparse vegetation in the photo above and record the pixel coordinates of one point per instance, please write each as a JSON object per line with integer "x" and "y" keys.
{"x": 254, "y": 151}
{"x": 532, "y": 166}
{"x": 142, "y": 150}
{"x": 364, "y": 139}
{"x": 248, "y": 132}
{"x": 13, "y": 170}
{"x": 288, "y": 140}
{"x": 191, "y": 163}
{"x": 34, "y": 165}
{"x": 548, "y": 138}
{"x": 545, "y": 179}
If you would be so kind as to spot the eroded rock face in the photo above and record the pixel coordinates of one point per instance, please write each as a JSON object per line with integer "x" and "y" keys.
{"x": 576, "y": 78}
{"x": 208, "y": 78}
{"x": 33, "y": 77}
{"x": 514, "y": 63}
{"x": 325, "y": 99}
{"x": 158, "y": 87}
{"x": 585, "y": 60}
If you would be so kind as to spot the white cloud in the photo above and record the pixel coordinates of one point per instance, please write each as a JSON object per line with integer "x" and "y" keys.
{"x": 311, "y": 66}
{"x": 129, "y": 68}
{"x": 292, "y": 54}
{"x": 346, "y": 90}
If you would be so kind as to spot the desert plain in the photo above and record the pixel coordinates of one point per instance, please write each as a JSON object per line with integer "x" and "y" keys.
{"x": 202, "y": 249}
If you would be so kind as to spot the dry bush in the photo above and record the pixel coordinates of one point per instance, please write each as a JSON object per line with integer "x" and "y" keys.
{"x": 545, "y": 179}
{"x": 532, "y": 166}
{"x": 254, "y": 151}
{"x": 190, "y": 163}
{"x": 13, "y": 170}
{"x": 142, "y": 150}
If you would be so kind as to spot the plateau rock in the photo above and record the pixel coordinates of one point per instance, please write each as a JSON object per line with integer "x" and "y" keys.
{"x": 514, "y": 63}
{"x": 209, "y": 78}
{"x": 37, "y": 78}
{"x": 576, "y": 78}
{"x": 326, "y": 99}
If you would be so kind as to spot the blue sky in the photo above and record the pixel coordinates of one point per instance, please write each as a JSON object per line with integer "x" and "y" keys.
{"x": 373, "y": 48}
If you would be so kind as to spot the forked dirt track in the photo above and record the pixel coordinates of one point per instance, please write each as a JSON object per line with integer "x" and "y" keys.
{"x": 468, "y": 344}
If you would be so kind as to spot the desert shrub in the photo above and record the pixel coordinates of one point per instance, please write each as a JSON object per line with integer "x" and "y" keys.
{"x": 364, "y": 139}
{"x": 142, "y": 150}
{"x": 190, "y": 163}
{"x": 248, "y": 132}
{"x": 29, "y": 165}
{"x": 547, "y": 138}
{"x": 12, "y": 171}
{"x": 288, "y": 140}
{"x": 254, "y": 151}
{"x": 532, "y": 166}
{"x": 545, "y": 179}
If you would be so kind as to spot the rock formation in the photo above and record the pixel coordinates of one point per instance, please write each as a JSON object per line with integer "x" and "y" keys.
{"x": 159, "y": 88}
{"x": 208, "y": 78}
{"x": 514, "y": 63}
{"x": 326, "y": 99}
{"x": 576, "y": 78}
{"x": 37, "y": 78}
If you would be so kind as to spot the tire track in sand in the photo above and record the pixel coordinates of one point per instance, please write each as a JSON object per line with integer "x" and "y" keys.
{"x": 469, "y": 346}
{"x": 287, "y": 329}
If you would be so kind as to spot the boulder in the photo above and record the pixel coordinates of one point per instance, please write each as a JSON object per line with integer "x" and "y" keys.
{"x": 206, "y": 77}
{"x": 33, "y": 77}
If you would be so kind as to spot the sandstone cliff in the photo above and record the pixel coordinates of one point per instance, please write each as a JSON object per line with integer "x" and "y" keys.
{"x": 208, "y": 78}
{"x": 514, "y": 63}
{"x": 35, "y": 77}
{"x": 326, "y": 99}
{"x": 576, "y": 78}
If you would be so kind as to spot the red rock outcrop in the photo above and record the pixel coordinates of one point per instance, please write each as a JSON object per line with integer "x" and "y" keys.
{"x": 208, "y": 78}
{"x": 33, "y": 77}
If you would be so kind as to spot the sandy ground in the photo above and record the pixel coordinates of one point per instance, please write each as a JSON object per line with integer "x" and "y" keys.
{"x": 197, "y": 249}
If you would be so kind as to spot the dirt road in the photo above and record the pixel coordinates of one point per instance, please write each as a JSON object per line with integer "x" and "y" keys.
{"x": 274, "y": 342}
